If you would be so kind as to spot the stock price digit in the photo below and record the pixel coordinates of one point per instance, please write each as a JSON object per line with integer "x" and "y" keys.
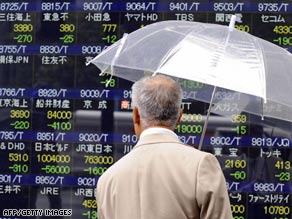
{"x": 191, "y": 84}
{"x": 240, "y": 130}
{"x": 56, "y": 169}
{"x": 244, "y": 28}
{"x": 239, "y": 175}
{"x": 59, "y": 115}
{"x": 19, "y": 168}
{"x": 235, "y": 164}
{"x": 53, "y": 158}
{"x": 20, "y": 125}
{"x": 283, "y": 165}
{"x": 190, "y": 129}
{"x": 91, "y": 159}
{"x": 283, "y": 176}
{"x": 282, "y": 29}
{"x": 283, "y": 41}
{"x": 67, "y": 38}
{"x": 191, "y": 117}
{"x": 238, "y": 118}
{"x": 67, "y": 28}
{"x": 91, "y": 214}
{"x": 22, "y": 27}
{"x": 89, "y": 204}
{"x": 238, "y": 209}
{"x": 19, "y": 114}
{"x": 17, "y": 157}
{"x": 64, "y": 126}
{"x": 23, "y": 38}
{"x": 277, "y": 210}
{"x": 95, "y": 170}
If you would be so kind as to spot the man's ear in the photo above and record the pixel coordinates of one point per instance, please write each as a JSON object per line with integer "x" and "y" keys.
{"x": 180, "y": 115}
{"x": 137, "y": 122}
{"x": 136, "y": 116}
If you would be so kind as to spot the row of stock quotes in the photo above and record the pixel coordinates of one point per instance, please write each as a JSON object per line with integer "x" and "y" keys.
{"x": 61, "y": 127}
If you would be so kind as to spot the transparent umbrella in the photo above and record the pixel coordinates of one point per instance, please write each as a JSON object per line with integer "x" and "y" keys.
{"x": 226, "y": 60}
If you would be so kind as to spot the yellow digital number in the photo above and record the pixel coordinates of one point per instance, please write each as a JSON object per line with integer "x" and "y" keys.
{"x": 244, "y": 28}
{"x": 16, "y": 157}
{"x": 238, "y": 118}
{"x": 19, "y": 114}
{"x": 90, "y": 204}
{"x": 279, "y": 210}
{"x": 67, "y": 28}
{"x": 283, "y": 165}
{"x": 22, "y": 28}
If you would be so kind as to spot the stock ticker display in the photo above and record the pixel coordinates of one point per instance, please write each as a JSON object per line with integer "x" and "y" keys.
{"x": 61, "y": 127}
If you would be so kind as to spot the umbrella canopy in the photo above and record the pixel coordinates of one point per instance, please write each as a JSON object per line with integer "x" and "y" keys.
{"x": 216, "y": 55}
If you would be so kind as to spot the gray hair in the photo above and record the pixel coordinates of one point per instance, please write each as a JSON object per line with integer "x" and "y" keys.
{"x": 158, "y": 99}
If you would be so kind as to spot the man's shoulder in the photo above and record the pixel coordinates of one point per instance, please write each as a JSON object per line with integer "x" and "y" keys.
{"x": 116, "y": 167}
{"x": 163, "y": 151}
{"x": 188, "y": 149}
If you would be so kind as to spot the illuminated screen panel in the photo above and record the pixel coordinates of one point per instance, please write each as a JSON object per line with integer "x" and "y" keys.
{"x": 61, "y": 127}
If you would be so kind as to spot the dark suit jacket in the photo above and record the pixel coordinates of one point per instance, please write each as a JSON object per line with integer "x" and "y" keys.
{"x": 161, "y": 178}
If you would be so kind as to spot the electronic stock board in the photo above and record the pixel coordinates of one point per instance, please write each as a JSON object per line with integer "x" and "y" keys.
{"x": 61, "y": 127}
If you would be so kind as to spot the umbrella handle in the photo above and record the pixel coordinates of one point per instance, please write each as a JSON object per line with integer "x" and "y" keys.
{"x": 232, "y": 22}
{"x": 207, "y": 119}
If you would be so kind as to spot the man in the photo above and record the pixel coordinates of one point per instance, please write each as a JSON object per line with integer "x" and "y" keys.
{"x": 161, "y": 178}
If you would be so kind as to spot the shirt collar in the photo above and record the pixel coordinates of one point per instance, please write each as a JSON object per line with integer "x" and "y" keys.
{"x": 156, "y": 130}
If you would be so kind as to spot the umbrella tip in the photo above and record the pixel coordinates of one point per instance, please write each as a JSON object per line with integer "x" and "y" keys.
{"x": 232, "y": 22}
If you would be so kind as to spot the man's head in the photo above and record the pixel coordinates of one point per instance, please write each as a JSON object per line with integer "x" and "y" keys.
{"x": 156, "y": 101}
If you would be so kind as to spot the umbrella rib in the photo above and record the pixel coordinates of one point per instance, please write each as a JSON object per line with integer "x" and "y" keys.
{"x": 262, "y": 72}
{"x": 207, "y": 120}
{"x": 120, "y": 47}
{"x": 101, "y": 54}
